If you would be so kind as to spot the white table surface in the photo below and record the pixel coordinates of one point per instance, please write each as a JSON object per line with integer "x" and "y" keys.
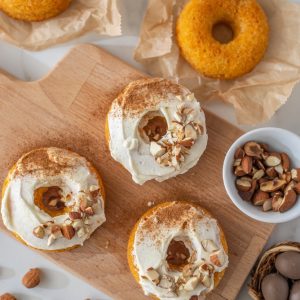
{"x": 16, "y": 259}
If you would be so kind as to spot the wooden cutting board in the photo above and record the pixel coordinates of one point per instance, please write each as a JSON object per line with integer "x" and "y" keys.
{"x": 67, "y": 108}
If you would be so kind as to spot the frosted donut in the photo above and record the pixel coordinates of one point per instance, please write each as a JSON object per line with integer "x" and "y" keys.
{"x": 52, "y": 199}
{"x": 156, "y": 129}
{"x": 33, "y": 10}
{"x": 210, "y": 57}
{"x": 177, "y": 250}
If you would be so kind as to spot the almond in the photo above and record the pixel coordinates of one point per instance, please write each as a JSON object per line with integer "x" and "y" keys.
{"x": 209, "y": 246}
{"x": 260, "y": 165}
{"x": 271, "y": 172}
{"x": 187, "y": 143}
{"x": 260, "y": 181}
{"x": 32, "y": 278}
{"x": 206, "y": 281}
{"x": 191, "y": 284}
{"x": 285, "y": 161}
{"x": 56, "y": 230}
{"x": 83, "y": 203}
{"x": 51, "y": 239}
{"x": 296, "y": 174}
{"x": 239, "y": 171}
{"x": 289, "y": 201}
{"x": 247, "y": 164}
{"x": 260, "y": 197}
{"x": 156, "y": 149}
{"x": 74, "y": 215}
{"x": 290, "y": 186}
{"x": 258, "y": 174}
{"x": 297, "y": 188}
{"x": 89, "y": 211}
{"x": 237, "y": 162}
{"x": 272, "y": 186}
{"x": 217, "y": 258}
{"x": 247, "y": 196}
{"x": 152, "y": 275}
{"x": 68, "y": 231}
{"x": 187, "y": 270}
{"x": 253, "y": 149}
{"x": 81, "y": 232}
{"x": 77, "y": 224}
{"x": 276, "y": 202}
{"x": 39, "y": 232}
{"x": 273, "y": 160}
{"x": 286, "y": 176}
{"x": 239, "y": 153}
{"x": 166, "y": 282}
{"x": 94, "y": 191}
{"x": 206, "y": 269}
{"x": 190, "y": 132}
{"x": 7, "y": 296}
{"x": 279, "y": 169}
{"x": 265, "y": 147}
{"x": 243, "y": 185}
{"x": 267, "y": 205}
{"x": 53, "y": 202}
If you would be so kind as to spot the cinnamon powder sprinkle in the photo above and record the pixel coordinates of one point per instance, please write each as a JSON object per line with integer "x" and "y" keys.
{"x": 177, "y": 213}
{"x": 48, "y": 162}
{"x": 144, "y": 94}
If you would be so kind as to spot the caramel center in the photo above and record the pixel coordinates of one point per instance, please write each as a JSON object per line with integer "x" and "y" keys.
{"x": 156, "y": 128}
{"x": 177, "y": 255}
{"x": 153, "y": 126}
{"x": 49, "y": 199}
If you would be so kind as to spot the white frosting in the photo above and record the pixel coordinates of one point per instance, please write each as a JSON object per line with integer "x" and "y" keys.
{"x": 128, "y": 148}
{"x": 150, "y": 248}
{"x": 20, "y": 215}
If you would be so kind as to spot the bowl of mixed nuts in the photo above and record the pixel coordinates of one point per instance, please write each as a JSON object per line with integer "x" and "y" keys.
{"x": 261, "y": 174}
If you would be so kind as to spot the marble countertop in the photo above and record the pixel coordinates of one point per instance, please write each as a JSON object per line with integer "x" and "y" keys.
{"x": 15, "y": 259}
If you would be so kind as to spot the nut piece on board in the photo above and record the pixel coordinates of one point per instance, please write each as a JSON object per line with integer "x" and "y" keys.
{"x": 7, "y": 296}
{"x": 32, "y": 278}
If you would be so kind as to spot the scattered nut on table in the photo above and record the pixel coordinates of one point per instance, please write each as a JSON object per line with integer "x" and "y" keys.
{"x": 7, "y": 296}
{"x": 32, "y": 278}
{"x": 265, "y": 177}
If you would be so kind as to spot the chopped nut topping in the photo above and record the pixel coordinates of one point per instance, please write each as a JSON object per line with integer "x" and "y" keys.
{"x": 169, "y": 150}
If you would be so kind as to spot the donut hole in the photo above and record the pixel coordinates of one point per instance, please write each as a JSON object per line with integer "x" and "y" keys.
{"x": 178, "y": 255}
{"x": 49, "y": 200}
{"x": 223, "y": 32}
{"x": 153, "y": 126}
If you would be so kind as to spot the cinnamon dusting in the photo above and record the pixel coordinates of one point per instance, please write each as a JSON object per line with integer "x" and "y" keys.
{"x": 144, "y": 94}
{"x": 47, "y": 162}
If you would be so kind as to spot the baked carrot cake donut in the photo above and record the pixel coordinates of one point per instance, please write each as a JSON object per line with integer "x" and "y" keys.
{"x": 211, "y": 57}
{"x": 156, "y": 129}
{"x": 33, "y": 10}
{"x": 52, "y": 199}
{"x": 177, "y": 250}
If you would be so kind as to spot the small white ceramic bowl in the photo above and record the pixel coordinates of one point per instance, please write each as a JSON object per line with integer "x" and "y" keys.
{"x": 278, "y": 139}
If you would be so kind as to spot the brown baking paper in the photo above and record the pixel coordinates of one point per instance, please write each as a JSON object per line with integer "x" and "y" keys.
{"x": 255, "y": 96}
{"x": 83, "y": 16}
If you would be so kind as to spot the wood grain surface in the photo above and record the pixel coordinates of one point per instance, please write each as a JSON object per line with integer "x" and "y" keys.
{"x": 67, "y": 109}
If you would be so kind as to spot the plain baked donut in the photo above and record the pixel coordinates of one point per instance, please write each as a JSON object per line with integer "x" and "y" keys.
{"x": 212, "y": 58}
{"x": 33, "y": 10}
